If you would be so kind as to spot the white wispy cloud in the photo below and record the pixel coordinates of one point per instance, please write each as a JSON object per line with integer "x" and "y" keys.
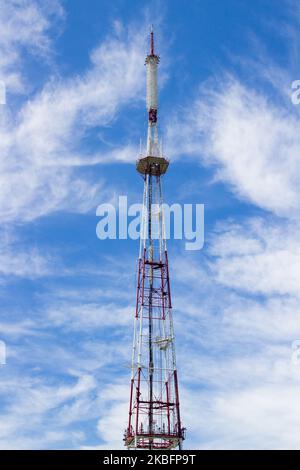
{"x": 25, "y": 26}
{"x": 251, "y": 141}
{"x": 52, "y": 124}
{"x": 91, "y": 315}
{"x": 58, "y": 388}
{"x": 31, "y": 406}
{"x": 249, "y": 257}
{"x": 41, "y": 148}
{"x": 113, "y": 416}
{"x": 24, "y": 260}
{"x": 24, "y": 263}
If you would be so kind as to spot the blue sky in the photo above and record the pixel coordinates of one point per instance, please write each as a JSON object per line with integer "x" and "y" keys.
{"x": 69, "y": 138}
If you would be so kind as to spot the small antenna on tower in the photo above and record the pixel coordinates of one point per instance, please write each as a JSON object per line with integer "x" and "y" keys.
{"x": 151, "y": 40}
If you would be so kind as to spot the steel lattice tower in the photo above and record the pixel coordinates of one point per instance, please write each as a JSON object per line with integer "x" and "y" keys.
{"x": 154, "y": 411}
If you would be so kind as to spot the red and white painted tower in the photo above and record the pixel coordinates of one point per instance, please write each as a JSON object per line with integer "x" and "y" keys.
{"x": 154, "y": 411}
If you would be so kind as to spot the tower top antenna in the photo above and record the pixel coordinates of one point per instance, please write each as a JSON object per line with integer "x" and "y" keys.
{"x": 151, "y": 40}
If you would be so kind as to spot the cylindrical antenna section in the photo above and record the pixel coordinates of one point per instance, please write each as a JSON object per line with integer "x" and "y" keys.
{"x": 151, "y": 63}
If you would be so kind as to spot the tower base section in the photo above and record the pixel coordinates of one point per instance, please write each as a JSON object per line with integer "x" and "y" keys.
{"x": 153, "y": 441}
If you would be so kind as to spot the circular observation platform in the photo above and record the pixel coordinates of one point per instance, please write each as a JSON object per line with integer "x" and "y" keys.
{"x": 156, "y": 166}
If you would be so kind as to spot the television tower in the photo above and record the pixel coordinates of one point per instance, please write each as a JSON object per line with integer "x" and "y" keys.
{"x": 154, "y": 412}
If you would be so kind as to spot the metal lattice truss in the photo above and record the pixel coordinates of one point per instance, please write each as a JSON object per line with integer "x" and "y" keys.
{"x": 154, "y": 414}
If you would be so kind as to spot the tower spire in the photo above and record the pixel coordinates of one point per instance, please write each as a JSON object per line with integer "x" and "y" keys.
{"x": 151, "y": 40}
